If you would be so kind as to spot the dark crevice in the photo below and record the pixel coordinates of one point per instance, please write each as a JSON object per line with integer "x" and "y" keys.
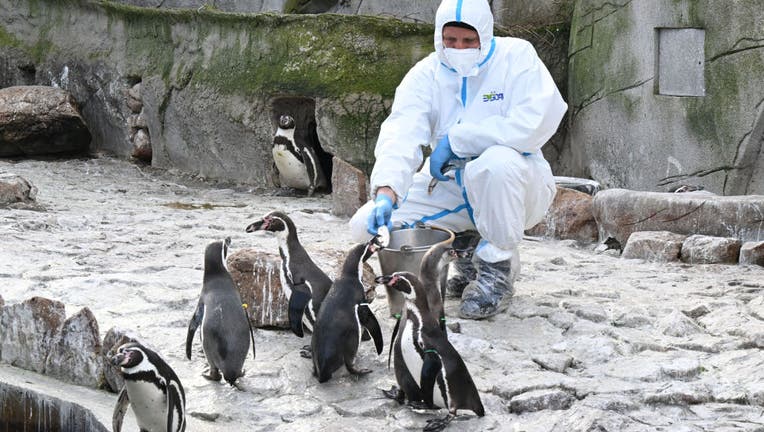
{"x": 731, "y": 52}
{"x": 594, "y": 98}
{"x": 614, "y": 9}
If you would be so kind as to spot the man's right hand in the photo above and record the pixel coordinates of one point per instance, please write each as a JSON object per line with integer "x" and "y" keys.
{"x": 380, "y": 214}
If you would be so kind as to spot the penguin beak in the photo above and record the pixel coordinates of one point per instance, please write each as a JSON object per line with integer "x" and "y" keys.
{"x": 117, "y": 359}
{"x": 383, "y": 280}
{"x": 256, "y": 226}
{"x": 371, "y": 247}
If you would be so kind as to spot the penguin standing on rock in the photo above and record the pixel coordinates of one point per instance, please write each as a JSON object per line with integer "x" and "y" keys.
{"x": 304, "y": 283}
{"x": 226, "y": 331}
{"x": 429, "y": 371}
{"x": 296, "y": 162}
{"x": 343, "y": 316}
{"x": 153, "y": 389}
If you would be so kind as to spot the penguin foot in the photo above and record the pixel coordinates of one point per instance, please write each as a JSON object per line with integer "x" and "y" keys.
{"x": 420, "y": 405}
{"x": 306, "y": 352}
{"x": 437, "y": 425}
{"x": 359, "y": 372}
{"x": 213, "y": 374}
{"x": 395, "y": 394}
{"x": 288, "y": 192}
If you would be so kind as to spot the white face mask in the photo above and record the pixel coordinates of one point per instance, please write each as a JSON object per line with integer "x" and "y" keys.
{"x": 463, "y": 61}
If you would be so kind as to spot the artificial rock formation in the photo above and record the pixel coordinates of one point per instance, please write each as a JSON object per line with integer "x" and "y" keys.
{"x": 15, "y": 189}
{"x": 256, "y": 274}
{"x": 569, "y": 218}
{"x": 38, "y": 337}
{"x": 663, "y": 94}
{"x": 350, "y": 188}
{"x": 40, "y": 120}
{"x": 620, "y": 212}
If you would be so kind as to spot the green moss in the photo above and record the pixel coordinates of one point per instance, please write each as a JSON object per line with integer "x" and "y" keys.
{"x": 708, "y": 117}
{"x": 40, "y": 50}
{"x": 592, "y": 72}
{"x": 7, "y": 39}
{"x": 317, "y": 55}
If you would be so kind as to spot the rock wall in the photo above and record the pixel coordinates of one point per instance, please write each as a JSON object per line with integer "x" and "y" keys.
{"x": 506, "y": 12}
{"x": 26, "y": 410}
{"x": 208, "y": 79}
{"x": 668, "y": 93}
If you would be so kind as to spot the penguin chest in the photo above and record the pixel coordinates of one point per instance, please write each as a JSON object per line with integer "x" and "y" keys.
{"x": 411, "y": 350}
{"x": 411, "y": 354}
{"x": 149, "y": 404}
{"x": 292, "y": 171}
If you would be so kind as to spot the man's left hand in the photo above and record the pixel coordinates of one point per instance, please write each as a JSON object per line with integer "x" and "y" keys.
{"x": 439, "y": 157}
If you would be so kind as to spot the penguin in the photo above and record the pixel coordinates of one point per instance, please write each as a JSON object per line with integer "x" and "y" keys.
{"x": 433, "y": 273}
{"x": 152, "y": 387}
{"x": 304, "y": 283}
{"x": 343, "y": 316}
{"x": 428, "y": 369}
{"x": 296, "y": 162}
{"x": 225, "y": 328}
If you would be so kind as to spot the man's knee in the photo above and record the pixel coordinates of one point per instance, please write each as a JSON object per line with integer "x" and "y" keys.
{"x": 498, "y": 163}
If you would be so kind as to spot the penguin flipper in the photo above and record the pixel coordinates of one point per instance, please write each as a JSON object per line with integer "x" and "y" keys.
{"x": 310, "y": 159}
{"x": 430, "y": 370}
{"x": 392, "y": 340}
{"x": 251, "y": 331}
{"x": 123, "y": 401}
{"x": 196, "y": 320}
{"x": 297, "y": 303}
{"x": 369, "y": 321}
{"x": 176, "y": 416}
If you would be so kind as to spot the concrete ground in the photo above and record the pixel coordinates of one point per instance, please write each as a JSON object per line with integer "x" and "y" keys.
{"x": 591, "y": 342}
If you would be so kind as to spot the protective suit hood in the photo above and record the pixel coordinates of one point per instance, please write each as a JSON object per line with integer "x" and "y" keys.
{"x": 476, "y": 13}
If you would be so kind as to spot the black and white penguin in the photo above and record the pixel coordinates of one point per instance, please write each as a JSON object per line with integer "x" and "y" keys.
{"x": 304, "y": 283}
{"x": 225, "y": 328}
{"x": 343, "y": 316}
{"x": 152, "y": 388}
{"x": 297, "y": 162}
{"x": 429, "y": 371}
{"x": 433, "y": 271}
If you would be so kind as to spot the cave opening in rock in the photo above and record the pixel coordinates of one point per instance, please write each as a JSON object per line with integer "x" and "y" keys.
{"x": 303, "y": 110}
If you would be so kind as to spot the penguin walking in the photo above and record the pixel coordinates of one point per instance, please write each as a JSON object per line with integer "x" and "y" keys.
{"x": 343, "y": 316}
{"x": 428, "y": 369}
{"x": 296, "y": 162}
{"x": 225, "y": 328}
{"x": 152, "y": 387}
{"x": 304, "y": 283}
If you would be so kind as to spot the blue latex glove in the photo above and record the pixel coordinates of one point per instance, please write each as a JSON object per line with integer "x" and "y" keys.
{"x": 380, "y": 214}
{"x": 439, "y": 157}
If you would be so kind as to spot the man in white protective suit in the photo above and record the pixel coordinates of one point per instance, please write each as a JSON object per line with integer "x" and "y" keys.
{"x": 490, "y": 104}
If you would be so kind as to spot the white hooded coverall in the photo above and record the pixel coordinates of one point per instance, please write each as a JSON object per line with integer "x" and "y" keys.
{"x": 498, "y": 118}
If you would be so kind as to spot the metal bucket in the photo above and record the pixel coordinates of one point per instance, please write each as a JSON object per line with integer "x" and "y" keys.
{"x": 404, "y": 252}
